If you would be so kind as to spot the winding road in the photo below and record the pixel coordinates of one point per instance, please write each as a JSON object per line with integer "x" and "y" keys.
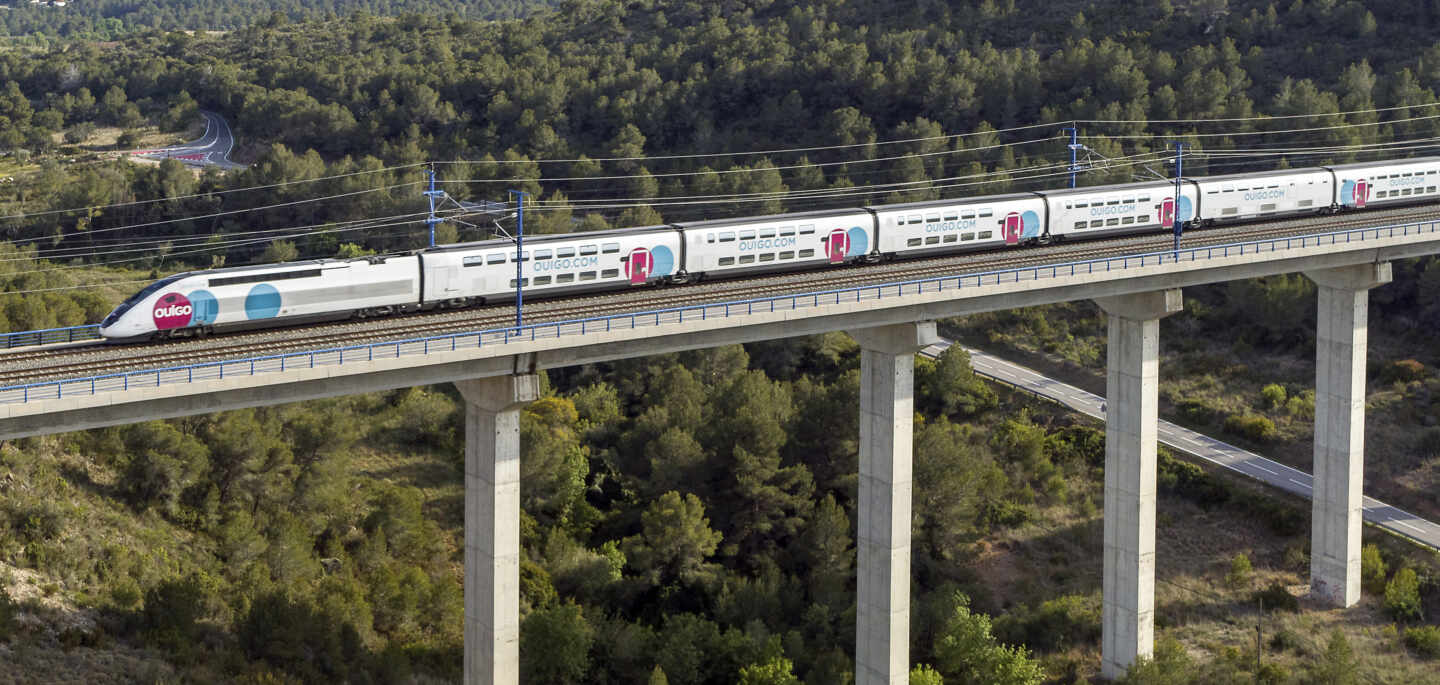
{"x": 212, "y": 148}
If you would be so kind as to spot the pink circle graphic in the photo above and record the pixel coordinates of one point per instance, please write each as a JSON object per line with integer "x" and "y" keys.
{"x": 172, "y": 310}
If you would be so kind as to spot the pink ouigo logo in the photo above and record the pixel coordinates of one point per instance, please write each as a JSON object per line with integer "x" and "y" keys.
{"x": 172, "y": 310}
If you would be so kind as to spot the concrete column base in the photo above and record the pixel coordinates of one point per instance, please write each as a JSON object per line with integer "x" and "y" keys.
{"x": 1132, "y": 399}
{"x": 1337, "y": 498}
{"x": 887, "y": 411}
{"x": 492, "y": 526}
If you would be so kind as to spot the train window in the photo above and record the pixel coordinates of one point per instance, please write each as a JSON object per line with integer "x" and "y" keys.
{"x": 747, "y": 259}
{"x": 1081, "y": 205}
{"x": 542, "y": 280}
{"x": 1228, "y": 189}
{"x": 1267, "y": 208}
{"x": 951, "y": 237}
{"x": 1212, "y": 192}
{"x": 564, "y": 278}
{"x": 932, "y": 240}
{"x": 1406, "y": 174}
{"x": 1128, "y": 220}
{"x": 1144, "y": 219}
{"x": 932, "y": 218}
{"x": 476, "y": 260}
{"x": 1081, "y": 224}
{"x": 985, "y": 235}
{"x": 807, "y": 253}
{"x": 787, "y": 255}
{"x": 587, "y": 275}
{"x": 1129, "y": 200}
{"x": 787, "y": 230}
{"x": 1430, "y": 189}
{"x": 497, "y": 258}
{"x": 967, "y": 236}
{"x": 610, "y": 248}
{"x": 967, "y": 215}
{"x": 767, "y": 233}
{"x": 523, "y": 282}
{"x": 710, "y": 238}
{"x": 767, "y": 257}
{"x": 1432, "y": 172}
{"x": 564, "y": 252}
{"x": 609, "y": 273}
{"x": 1144, "y": 198}
{"x": 951, "y": 216}
{"x": 913, "y": 242}
{"x": 727, "y": 261}
{"x": 1097, "y": 223}
{"x": 1113, "y": 202}
{"x": 524, "y": 257}
{"x": 1405, "y": 191}
{"x": 916, "y": 219}
{"x": 807, "y": 229}
{"x": 1069, "y": 205}
{"x": 1305, "y": 203}
{"x": 727, "y": 237}
{"x": 542, "y": 254}
{"x": 589, "y": 249}
{"x": 986, "y": 212}
{"x": 257, "y": 278}
{"x": 1277, "y": 185}
{"x": 1112, "y": 222}
{"x": 747, "y": 235}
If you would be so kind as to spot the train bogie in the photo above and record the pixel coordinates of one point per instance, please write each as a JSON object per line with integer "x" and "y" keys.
{"x": 1377, "y": 184}
{"x": 1077, "y": 213}
{"x": 917, "y": 228}
{"x": 1237, "y": 197}
{"x": 734, "y": 247}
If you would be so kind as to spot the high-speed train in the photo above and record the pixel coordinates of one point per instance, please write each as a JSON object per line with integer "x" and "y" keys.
{"x": 200, "y": 302}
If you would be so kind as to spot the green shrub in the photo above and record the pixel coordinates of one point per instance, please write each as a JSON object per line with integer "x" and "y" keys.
{"x": 7, "y": 614}
{"x": 1285, "y": 640}
{"x": 1425, "y": 640}
{"x": 1272, "y": 396}
{"x": 1301, "y": 406}
{"x": 1372, "y": 570}
{"x": 1252, "y": 426}
{"x": 1240, "y": 572}
{"x": 1054, "y": 624}
{"x": 1403, "y": 371}
{"x": 1402, "y": 595}
{"x": 1276, "y": 598}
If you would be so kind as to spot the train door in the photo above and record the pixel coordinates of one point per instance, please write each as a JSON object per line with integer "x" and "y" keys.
{"x": 1362, "y": 193}
{"x": 638, "y": 266}
{"x": 837, "y": 244}
{"x": 1167, "y": 212}
{"x": 1013, "y": 228}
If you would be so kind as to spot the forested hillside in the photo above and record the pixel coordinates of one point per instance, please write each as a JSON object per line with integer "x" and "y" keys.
{"x": 690, "y": 518}
{"x": 111, "y": 19}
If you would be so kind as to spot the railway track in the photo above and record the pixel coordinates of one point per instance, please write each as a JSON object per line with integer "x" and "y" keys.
{"x": 23, "y": 367}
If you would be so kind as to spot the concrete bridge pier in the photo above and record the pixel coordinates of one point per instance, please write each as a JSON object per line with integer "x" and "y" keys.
{"x": 1341, "y": 341}
{"x": 1132, "y": 398}
{"x": 492, "y": 525}
{"x": 887, "y": 416}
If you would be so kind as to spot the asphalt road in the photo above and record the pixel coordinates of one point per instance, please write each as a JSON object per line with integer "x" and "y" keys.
{"x": 1231, "y": 457}
{"x": 212, "y": 148}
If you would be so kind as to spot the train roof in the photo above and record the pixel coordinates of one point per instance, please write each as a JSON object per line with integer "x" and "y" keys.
{"x": 1116, "y": 188}
{"x": 1393, "y": 162}
{"x": 546, "y": 238}
{"x": 1273, "y": 173}
{"x": 769, "y": 218}
{"x": 979, "y": 199}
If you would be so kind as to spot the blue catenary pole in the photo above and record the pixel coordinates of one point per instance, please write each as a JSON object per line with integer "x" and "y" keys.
{"x": 431, "y": 194}
{"x": 519, "y": 196}
{"x": 1179, "y": 172}
{"x": 1074, "y": 149}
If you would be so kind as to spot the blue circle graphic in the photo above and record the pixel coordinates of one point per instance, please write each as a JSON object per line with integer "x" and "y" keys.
{"x": 662, "y": 261}
{"x": 1186, "y": 210}
{"x": 205, "y": 308}
{"x": 263, "y": 302}
{"x": 1031, "y": 222}
{"x": 859, "y": 242}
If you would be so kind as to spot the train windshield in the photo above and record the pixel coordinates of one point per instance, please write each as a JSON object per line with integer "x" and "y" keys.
{"x": 137, "y": 297}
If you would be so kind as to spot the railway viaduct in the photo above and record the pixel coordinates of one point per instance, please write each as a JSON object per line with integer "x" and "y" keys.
{"x": 496, "y": 373}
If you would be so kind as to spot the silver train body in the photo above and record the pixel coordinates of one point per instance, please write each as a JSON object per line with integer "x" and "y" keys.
{"x": 200, "y": 302}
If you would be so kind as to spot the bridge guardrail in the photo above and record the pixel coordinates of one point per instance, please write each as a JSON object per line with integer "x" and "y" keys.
{"x": 151, "y": 378}
{"x": 49, "y": 336}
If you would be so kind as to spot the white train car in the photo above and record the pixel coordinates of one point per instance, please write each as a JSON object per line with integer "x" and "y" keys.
{"x": 1378, "y": 184}
{"x": 551, "y": 264}
{"x": 1078, "y": 213}
{"x": 272, "y": 294}
{"x": 960, "y": 224}
{"x": 1259, "y": 195}
{"x": 781, "y": 242}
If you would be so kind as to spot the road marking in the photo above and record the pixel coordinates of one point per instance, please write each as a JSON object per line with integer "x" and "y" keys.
{"x": 1407, "y": 525}
{"x": 1303, "y": 485}
{"x": 1262, "y": 468}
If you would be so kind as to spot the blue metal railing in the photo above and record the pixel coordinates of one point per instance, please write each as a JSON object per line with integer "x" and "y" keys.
{"x": 579, "y": 327}
{"x": 49, "y": 336}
